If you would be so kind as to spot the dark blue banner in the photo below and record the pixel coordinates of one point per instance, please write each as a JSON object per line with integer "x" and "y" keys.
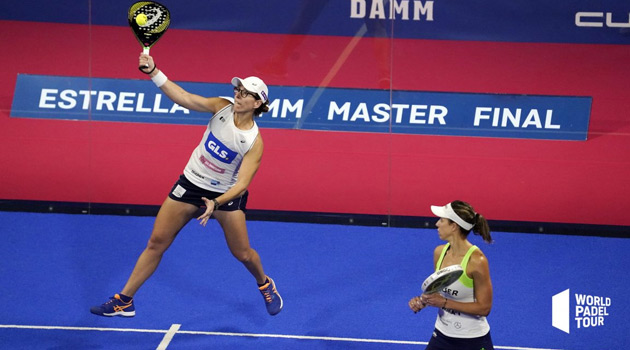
{"x": 576, "y": 21}
{"x": 351, "y": 110}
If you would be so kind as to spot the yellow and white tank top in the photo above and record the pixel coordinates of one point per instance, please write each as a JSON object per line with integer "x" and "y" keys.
{"x": 215, "y": 162}
{"x": 457, "y": 324}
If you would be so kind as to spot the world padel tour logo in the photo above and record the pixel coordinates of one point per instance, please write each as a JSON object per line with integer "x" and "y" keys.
{"x": 588, "y": 310}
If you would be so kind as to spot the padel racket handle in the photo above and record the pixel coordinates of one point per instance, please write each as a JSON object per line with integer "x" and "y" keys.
{"x": 145, "y": 50}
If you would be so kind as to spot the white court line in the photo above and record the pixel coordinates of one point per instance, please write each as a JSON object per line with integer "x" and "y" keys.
{"x": 84, "y": 328}
{"x": 306, "y": 337}
{"x": 172, "y": 331}
{"x": 168, "y": 336}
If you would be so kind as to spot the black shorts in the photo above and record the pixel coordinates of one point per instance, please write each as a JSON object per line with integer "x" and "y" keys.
{"x": 187, "y": 192}
{"x": 441, "y": 342}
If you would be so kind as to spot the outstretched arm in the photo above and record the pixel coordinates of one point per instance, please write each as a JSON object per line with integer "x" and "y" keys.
{"x": 180, "y": 96}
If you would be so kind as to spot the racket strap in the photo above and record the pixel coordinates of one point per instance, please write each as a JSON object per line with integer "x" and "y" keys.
{"x": 140, "y": 68}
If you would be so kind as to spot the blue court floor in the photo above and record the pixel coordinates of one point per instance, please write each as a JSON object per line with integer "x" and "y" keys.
{"x": 344, "y": 287}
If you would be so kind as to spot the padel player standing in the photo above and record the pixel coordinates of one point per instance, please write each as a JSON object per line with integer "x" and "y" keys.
{"x": 217, "y": 176}
{"x": 462, "y": 306}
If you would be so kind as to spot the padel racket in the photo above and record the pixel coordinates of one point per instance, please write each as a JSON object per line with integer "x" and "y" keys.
{"x": 441, "y": 278}
{"x": 148, "y": 20}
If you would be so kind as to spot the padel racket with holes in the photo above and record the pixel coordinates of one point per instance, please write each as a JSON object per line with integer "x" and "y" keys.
{"x": 148, "y": 20}
{"x": 441, "y": 278}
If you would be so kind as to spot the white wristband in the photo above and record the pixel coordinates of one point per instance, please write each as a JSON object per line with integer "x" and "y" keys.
{"x": 159, "y": 79}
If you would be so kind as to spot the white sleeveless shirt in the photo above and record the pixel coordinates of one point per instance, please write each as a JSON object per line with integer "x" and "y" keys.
{"x": 457, "y": 324}
{"x": 215, "y": 163}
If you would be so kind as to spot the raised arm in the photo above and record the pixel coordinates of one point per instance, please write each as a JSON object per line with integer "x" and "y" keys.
{"x": 177, "y": 94}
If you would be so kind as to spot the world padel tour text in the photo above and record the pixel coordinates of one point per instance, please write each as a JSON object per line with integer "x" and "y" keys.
{"x": 590, "y": 310}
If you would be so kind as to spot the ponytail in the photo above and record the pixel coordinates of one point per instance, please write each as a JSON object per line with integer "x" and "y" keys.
{"x": 480, "y": 225}
{"x": 481, "y": 228}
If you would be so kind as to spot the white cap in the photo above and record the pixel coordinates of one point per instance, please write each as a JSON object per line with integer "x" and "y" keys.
{"x": 253, "y": 84}
{"x": 448, "y": 212}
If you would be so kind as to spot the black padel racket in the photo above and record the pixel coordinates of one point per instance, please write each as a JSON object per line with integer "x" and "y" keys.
{"x": 148, "y": 20}
{"x": 441, "y": 278}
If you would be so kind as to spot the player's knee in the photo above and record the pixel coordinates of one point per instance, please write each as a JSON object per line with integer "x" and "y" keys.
{"x": 244, "y": 255}
{"x": 158, "y": 244}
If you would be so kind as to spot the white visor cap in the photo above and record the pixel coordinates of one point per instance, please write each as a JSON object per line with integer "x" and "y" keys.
{"x": 254, "y": 85}
{"x": 448, "y": 212}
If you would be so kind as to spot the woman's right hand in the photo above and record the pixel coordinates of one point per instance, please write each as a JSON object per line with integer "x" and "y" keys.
{"x": 416, "y": 304}
{"x": 146, "y": 62}
{"x": 203, "y": 218}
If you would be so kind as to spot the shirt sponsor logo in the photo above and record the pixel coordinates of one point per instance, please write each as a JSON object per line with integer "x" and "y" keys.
{"x": 218, "y": 150}
{"x": 208, "y": 164}
{"x": 197, "y": 174}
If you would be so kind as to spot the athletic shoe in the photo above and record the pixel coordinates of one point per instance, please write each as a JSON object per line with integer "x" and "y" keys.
{"x": 115, "y": 307}
{"x": 273, "y": 300}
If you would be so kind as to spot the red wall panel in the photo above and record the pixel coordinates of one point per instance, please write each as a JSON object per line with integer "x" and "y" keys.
{"x": 523, "y": 180}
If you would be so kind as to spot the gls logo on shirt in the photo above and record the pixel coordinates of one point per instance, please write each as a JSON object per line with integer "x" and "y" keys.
{"x": 218, "y": 150}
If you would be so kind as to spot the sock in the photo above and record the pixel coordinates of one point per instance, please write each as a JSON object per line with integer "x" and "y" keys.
{"x": 125, "y": 298}
{"x": 266, "y": 281}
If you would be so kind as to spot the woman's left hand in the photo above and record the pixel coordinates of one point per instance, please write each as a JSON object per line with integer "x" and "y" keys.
{"x": 208, "y": 213}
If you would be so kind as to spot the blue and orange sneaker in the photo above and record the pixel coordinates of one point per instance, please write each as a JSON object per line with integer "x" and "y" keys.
{"x": 115, "y": 307}
{"x": 273, "y": 300}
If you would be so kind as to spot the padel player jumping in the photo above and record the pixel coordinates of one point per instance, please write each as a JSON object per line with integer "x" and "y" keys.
{"x": 217, "y": 176}
{"x": 462, "y": 306}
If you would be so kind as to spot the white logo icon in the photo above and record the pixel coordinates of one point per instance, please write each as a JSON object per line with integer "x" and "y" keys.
{"x": 560, "y": 311}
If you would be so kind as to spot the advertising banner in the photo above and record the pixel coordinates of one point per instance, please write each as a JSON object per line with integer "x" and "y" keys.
{"x": 329, "y": 109}
{"x": 576, "y": 21}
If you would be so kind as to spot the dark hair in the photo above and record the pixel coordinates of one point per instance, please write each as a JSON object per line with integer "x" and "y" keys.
{"x": 264, "y": 108}
{"x": 468, "y": 214}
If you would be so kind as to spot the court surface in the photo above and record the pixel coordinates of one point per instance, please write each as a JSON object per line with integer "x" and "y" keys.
{"x": 344, "y": 287}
